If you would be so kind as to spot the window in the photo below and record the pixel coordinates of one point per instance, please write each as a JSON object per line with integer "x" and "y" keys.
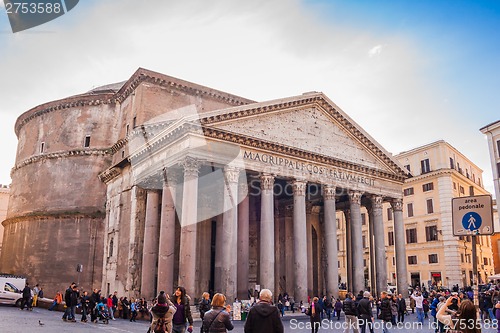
{"x": 389, "y": 214}
{"x": 430, "y": 207}
{"x": 338, "y": 244}
{"x": 462, "y": 190}
{"x": 339, "y": 263}
{"x": 431, "y": 233}
{"x": 338, "y": 223}
{"x": 468, "y": 258}
{"x": 127, "y": 129}
{"x": 498, "y": 148}
{"x": 452, "y": 163}
{"x": 11, "y": 288}
{"x": 86, "y": 144}
{"x": 412, "y": 260}
{"x": 409, "y": 208}
{"x": 393, "y": 261}
{"x": 364, "y": 262}
{"x": 408, "y": 167}
{"x": 425, "y": 166}
{"x": 123, "y": 153}
{"x": 42, "y": 147}
{"x": 498, "y": 170}
{"x": 461, "y": 257}
{"x": 411, "y": 236}
{"x": 110, "y": 251}
{"x": 408, "y": 191}
{"x": 428, "y": 187}
{"x": 485, "y": 261}
{"x": 433, "y": 258}
{"x": 134, "y": 122}
{"x": 363, "y": 218}
{"x": 471, "y": 190}
{"x": 364, "y": 242}
{"x": 390, "y": 237}
{"x": 454, "y": 185}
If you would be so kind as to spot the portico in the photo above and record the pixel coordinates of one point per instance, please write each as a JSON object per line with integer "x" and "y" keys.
{"x": 248, "y": 196}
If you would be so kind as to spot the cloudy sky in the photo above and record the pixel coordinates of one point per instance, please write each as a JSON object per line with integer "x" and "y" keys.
{"x": 409, "y": 72}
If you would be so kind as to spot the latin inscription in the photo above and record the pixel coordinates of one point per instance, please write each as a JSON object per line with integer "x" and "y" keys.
{"x": 308, "y": 167}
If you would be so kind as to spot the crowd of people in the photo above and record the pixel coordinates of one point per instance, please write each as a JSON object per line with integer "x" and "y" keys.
{"x": 445, "y": 309}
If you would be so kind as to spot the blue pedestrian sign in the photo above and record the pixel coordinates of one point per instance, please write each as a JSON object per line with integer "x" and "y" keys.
{"x": 472, "y": 215}
{"x": 472, "y": 221}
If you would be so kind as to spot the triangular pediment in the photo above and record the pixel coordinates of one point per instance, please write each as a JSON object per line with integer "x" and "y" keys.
{"x": 310, "y": 123}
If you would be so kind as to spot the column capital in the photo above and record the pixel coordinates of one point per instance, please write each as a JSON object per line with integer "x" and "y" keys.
{"x": 397, "y": 204}
{"x": 355, "y": 197}
{"x": 191, "y": 167}
{"x": 266, "y": 182}
{"x": 329, "y": 192}
{"x": 299, "y": 187}
{"x": 376, "y": 201}
{"x": 232, "y": 174}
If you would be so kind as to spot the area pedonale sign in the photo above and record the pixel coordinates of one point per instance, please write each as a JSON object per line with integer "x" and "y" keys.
{"x": 472, "y": 215}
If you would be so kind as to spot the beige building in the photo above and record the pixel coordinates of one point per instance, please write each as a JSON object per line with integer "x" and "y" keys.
{"x": 4, "y": 202}
{"x": 434, "y": 256}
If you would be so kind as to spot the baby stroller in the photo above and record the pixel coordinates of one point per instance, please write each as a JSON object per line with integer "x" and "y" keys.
{"x": 102, "y": 314}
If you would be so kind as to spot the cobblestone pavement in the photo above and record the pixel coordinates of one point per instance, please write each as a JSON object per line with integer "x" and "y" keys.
{"x": 13, "y": 321}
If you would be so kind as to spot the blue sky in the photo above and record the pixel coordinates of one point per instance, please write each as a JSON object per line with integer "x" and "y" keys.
{"x": 409, "y": 72}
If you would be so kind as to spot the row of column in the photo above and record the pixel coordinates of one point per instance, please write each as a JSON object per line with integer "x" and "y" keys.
{"x": 158, "y": 252}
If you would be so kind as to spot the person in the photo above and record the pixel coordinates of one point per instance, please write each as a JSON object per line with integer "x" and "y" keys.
{"x": 401, "y": 308}
{"x": 69, "y": 298}
{"x": 133, "y": 309}
{"x": 115, "y": 304}
{"x": 218, "y": 320}
{"x": 57, "y": 300}
{"x": 314, "y": 312}
{"x": 394, "y": 309}
{"x": 338, "y": 309}
{"x": 204, "y": 305}
{"x": 281, "y": 307}
{"x": 419, "y": 300}
{"x": 292, "y": 304}
{"x": 163, "y": 309}
{"x": 126, "y": 307}
{"x": 351, "y": 313}
{"x": 36, "y": 290}
{"x": 183, "y": 313}
{"x": 94, "y": 300}
{"x": 109, "y": 304}
{"x": 263, "y": 316}
{"x": 365, "y": 312}
{"x": 85, "y": 301}
{"x": 464, "y": 321}
{"x": 26, "y": 298}
{"x": 328, "y": 305}
{"x": 385, "y": 311}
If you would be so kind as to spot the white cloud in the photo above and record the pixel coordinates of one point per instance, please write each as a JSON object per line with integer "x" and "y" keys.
{"x": 375, "y": 51}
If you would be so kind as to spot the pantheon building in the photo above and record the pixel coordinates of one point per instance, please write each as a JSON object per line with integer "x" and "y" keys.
{"x": 157, "y": 182}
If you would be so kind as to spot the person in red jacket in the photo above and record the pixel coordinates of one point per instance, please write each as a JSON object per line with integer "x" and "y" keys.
{"x": 264, "y": 316}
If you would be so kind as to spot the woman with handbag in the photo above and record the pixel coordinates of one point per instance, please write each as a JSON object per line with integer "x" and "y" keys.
{"x": 218, "y": 319}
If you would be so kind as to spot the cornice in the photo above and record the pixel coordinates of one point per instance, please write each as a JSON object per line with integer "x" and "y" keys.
{"x": 40, "y": 216}
{"x": 141, "y": 75}
{"x": 66, "y": 103}
{"x": 319, "y": 101}
{"x": 443, "y": 172}
{"x": 109, "y": 174}
{"x": 63, "y": 154}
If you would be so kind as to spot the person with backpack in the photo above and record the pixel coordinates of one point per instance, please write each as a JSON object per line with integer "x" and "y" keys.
{"x": 162, "y": 314}
{"x": 218, "y": 319}
{"x": 351, "y": 313}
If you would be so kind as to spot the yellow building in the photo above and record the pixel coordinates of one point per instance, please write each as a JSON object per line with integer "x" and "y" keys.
{"x": 434, "y": 256}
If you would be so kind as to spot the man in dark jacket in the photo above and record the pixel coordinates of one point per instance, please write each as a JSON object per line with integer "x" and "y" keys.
{"x": 402, "y": 308}
{"x": 71, "y": 301}
{"x": 365, "y": 312}
{"x": 26, "y": 298}
{"x": 351, "y": 313}
{"x": 385, "y": 310}
{"x": 264, "y": 316}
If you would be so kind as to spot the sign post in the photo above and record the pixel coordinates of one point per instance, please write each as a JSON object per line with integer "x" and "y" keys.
{"x": 473, "y": 216}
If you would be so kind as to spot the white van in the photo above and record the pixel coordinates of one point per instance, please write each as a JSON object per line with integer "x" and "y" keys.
{"x": 10, "y": 289}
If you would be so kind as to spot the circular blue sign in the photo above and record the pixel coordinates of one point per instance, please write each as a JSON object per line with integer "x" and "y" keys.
{"x": 471, "y": 221}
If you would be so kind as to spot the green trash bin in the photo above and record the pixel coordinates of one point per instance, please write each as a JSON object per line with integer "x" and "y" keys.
{"x": 244, "y": 316}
